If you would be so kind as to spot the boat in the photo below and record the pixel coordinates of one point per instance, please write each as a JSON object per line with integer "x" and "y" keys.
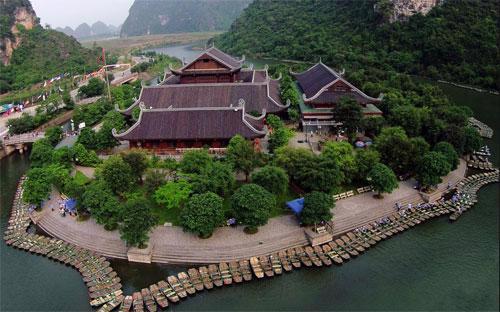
{"x": 186, "y": 283}
{"x": 126, "y": 304}
{"x": 205, "y": 278}
{"x": 176, "y": 286}
{"x": 215, "y": 275}
{"x": 284, "y": 261}
{"x": 293, "y": 258}
{"x": 321, "y": 255}
{"x": 333, "y": 255}
{"x": 376, "y": 232}
{"x": 454, "y": 216}
{"x": 159, "y": 297}
{"x": 245, "y": 270}
{"x": 256, "y": 267}
{"x": 276, "y": 263}
{"x": 341, "y": 252}
{"x": 110, "y": 305}
{"x": 168, "y": 291}
{"x": 347, "y": 248}
{"x": 234, "y": 268}
{"x": 225, "y": 274}
{"x": 359, "y": 239}
{"x": 266, "y": 266}
{"x": 194, "y": 275}
{"x": 299, "y": 251}
{"x": 148, "y": 300}
{"x": 312, "y": 255}
{"x": 138, "y": 303}
{"x": 353, "y": 244}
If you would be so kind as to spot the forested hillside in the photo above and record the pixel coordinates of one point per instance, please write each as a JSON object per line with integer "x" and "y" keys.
{"x": 456, "y": 41}
{"x": 39, "y": 53}
{"x": 176, "y": 16}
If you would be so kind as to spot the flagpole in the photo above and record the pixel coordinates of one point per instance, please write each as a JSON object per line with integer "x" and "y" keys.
{"x": 106, "y": 73}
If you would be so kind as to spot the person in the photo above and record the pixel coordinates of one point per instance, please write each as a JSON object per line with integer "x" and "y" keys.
{"x": 409, "y": 206}
{"x": 449, "y": 184}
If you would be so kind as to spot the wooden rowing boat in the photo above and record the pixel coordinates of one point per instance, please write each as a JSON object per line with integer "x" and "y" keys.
{"x": 215, "y": 275}
{"x": 159, "y": 297}
{"x": 110, "y": 305}
{"x": 376, "y": 232}
{"x": 276, "y": 264}
{"x": 353, "y": 252}
{"x": 126, "y": 304}
{"x": 205, "y": 277}
{"x": 138, "y": 303}
{"x": 312, "y": 255}
{"x": 101, "y": 300}
{"x": 256, "y": 267}
{"x": 341, "y": 252}
{"x": 245, "y": 270}
{"x": 148, "y": 300}
{"x": 299, "y": 251}
{"x": 186, "y": 283}
{"x": 194, "y": 275}
{"x": 266, "y": 266}
{"x": 105, "y": 291}
{"x": 348, "y": 243}
{"x": 284, "y": 261}
{"x": 332, "y": 254}
{"x": 358, "y": 239}
{"x": 293, "y": 258}
{"x": 176, "y": 286}
{"x": 225, "y": 273}
{"x": 454, "y": 216}
{"x": 168, "y": 291}
{"x": 321, "y": 255}
{"x": 234, "y": 269}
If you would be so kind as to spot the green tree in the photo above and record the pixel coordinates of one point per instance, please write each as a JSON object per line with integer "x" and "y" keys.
{"x": 94, "y": 87}
{"x": 317, "y": 208}
{"x": 68, "y": 101}
{"x": 241, "y": 154}
{"x": 407, "y": 117}
{"x": 217, "y": 177}
{"x": 472, "y": 140}
{"x": 195, "y": 161}
{"x": 372, "y": 125}
{"x": 395, "y": 149}
{"x": 41, "y": 153}
{"x": 153, "y": 180}
{"x": 252, "y": 205}
{"x": 117, "y": 174}
{"x": 273, "y": 179}
{"x": 84, "y": 157}
{"x": 449, "y": 152}
{"x": 433, "y": 166}
{"x": 36, "y": 187}
{"x": 102, "y": 204}
{"x": 348, "y": 112}
{"x": 173, "y": 194}
{"x": 138, "y": 162}
{"x": 382, "y": 178}
{"x": 341, "y": 153}
{"x": 54, "y": 135}
{"x": 88, "y": 138}
{"x": 279, "y": 137}
{"x": 137, "y": 221}
{"x": 63, "y": 156}
{"x": 365, "y": 159}
{"x": 203, "y": 214}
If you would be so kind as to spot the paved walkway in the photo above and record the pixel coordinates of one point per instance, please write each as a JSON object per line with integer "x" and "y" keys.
{"x": 173, "y": 245}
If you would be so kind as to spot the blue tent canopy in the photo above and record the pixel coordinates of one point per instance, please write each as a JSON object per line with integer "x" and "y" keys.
{"x": 70, "y": 205}
{"x": 296, "y": 205}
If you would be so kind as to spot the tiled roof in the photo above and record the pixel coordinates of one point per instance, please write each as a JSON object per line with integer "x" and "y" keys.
{"x": 192, "y": 124}
{"x": 226, "y": 58}
{"x": 315, "y": 78}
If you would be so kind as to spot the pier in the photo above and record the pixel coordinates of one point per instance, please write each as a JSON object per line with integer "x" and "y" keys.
{"x": 483, "y": 129}
{"x": 105, "y": 288}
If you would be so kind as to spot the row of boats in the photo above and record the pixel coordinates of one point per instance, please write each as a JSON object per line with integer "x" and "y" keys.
{"x": 105, "y": 287}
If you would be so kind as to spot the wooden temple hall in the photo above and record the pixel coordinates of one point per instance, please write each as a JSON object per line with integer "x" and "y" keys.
{"x": 203, "y": 104}
{"x": 322, "y": 88}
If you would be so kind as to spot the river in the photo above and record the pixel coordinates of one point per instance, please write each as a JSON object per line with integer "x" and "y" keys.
{"x": 435, "y": 266}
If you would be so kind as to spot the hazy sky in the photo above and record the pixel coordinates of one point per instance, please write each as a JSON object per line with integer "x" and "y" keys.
{"x": 61, "y": 13}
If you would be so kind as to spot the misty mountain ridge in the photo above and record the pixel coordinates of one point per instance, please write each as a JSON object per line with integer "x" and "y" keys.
{"x": 97, "y": 29}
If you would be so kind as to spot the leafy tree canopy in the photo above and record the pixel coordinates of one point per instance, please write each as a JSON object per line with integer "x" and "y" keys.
{"x": 195, "y": 161}
{"x": 317, "y": 208}
{"x": 241, "y": 154}
{"x": 137, "y": 221}
{"x": 203, "y": 214}
{"x": 273, "y": 179}
{"x": 252, "y": 205}
{"x": 449, "y": 152}
{"x": 117, "y": 174}
{"x": 382, "y": 178}
{"x": 173, "y": 194}
{"x": 433, "y": 166}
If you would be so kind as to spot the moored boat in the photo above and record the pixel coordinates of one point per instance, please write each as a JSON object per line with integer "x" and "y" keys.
{"x": 138, "y": 303}
{"x": 355, "y": 238}
{"x": 176, "y": 286}
{"x": 287, "y": 266}
{"x": 186, "y": 283}
{"x": 215, "y": 275}
{"x": 321, "y": 255}
{"x": 341, "y": 252}
{"x": 312, "y": 255}
{"x": 299, "y": 251}
{"x": 225, "y": 274}
{"x": 168, "y": 291}
{"x": 234, "y": 268}
{"x": 292, "y": 256}
{"x": 352, "y": 244}
{"x": 256, "y": 267}
{"x": 245, "y": 270}
{"x": 333, "y": 255}
{"x": 266, "y": 266}
{"x": 110, "y": 305}
{"x": 194, "y": 275}
{"x": 159, "y": 297}
{"x": 205, "y": 277}
{"x": 347, "y": 248}
{"x": 148, "y": 300}
{"x": 126, "y": 304}
{"x": 276, "y": 263}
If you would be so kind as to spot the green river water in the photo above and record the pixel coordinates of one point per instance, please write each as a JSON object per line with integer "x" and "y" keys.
{"x": 435, "y": 266}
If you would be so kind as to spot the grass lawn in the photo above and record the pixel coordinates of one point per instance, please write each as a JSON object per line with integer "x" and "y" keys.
{"x": 80, "y": 178}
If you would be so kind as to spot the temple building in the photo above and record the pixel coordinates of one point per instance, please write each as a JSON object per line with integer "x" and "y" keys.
{"x": 322, "y": 88}
{"x": 203, "y": 104}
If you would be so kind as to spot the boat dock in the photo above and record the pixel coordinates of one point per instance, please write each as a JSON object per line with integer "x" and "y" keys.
{"x": 484, "y": 130}
{"x": 105, "y": 289}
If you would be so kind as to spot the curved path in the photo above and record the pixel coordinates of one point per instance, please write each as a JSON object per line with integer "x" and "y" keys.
{"x": 173, "y": 245}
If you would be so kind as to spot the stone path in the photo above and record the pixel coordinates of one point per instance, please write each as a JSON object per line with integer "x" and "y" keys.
{"x": 173, "y": 245}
